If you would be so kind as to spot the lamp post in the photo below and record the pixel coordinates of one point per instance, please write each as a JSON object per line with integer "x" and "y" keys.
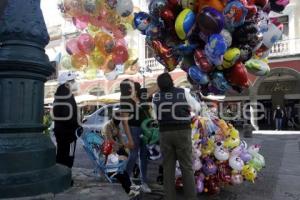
{"x": 27, "y": 157}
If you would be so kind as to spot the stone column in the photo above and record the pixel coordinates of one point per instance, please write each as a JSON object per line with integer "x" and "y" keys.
{"x": 27, "y": 157}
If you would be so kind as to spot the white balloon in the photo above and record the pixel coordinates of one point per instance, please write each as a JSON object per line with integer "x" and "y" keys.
{"x": 124, "y": 7}
{"x": 236, "y": 163}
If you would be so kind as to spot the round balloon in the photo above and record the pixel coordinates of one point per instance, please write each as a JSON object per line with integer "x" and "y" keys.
{"x": 209, "y": 21}
{"x": 198, "y": 76}
{"x": 124, "y": 7}
{"x": 72, "y": 47}
{"x": 236, "y": 163}
{"x": 184, "y": 23}
{"x": 79, "y": 61}
{"x": 237, "y": 75}
{"x": 219, "y": 82}
{"x": 235, "y": 14}
{"x": 215, "y": 49}
{"x": 104, "y": 42}
{"x": 142, "y": 21}
{"x": 81, "y": 22}
{"x": 119, "y": 54}
{"x": 202, "y": 62}
{"x": 257, "y": 67}
{"x": 156, "y": 6}
{"x": 231, "y": 56}
{"x": 86, "y": 43}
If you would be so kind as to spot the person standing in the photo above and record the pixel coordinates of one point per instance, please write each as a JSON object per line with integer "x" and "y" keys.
{"x": 278, "y": 117}
{"x": 132, "y": 115}
{"x": 65, "y": 116}
{"x": 172, "y": 107}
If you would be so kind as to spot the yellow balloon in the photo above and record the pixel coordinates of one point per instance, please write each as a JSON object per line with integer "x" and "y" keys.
{"x": 249, "y": 173}
{"x": 208, "y": 148}
{"x": 91, "y": 73}
{"x": 184, "y": 23}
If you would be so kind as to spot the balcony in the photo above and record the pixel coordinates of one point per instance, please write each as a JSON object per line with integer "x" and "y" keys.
{"x": 285, "y": 48}
{"x": 153, "y": 65}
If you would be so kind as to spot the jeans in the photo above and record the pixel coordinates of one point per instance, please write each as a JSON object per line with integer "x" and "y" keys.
{"x": 139, "y": 150}
{"x": 278, "y": 123}
{"x": 177, "y": 145}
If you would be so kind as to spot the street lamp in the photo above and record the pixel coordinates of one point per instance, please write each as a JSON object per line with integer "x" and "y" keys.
{"x": 27, "y": 157}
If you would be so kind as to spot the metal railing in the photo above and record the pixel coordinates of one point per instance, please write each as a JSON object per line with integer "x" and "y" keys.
{"x": 285, "y": 48}
{"x": 153, "y": 65}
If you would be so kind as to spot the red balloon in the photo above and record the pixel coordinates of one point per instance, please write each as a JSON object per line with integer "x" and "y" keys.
{"x": 224, "y": 172}
{"x": 168, "y": 16}
{"x": 165, "y": 55}
{"x": 173, "y": 3}
{"x": 72, "y": 47}
{"x": 252, "y": 9}
{"x": 178, "y": 183}
{"x": 107, "y": 147}
{"x": 202, "y": 62}
{"x": 237, "y": 75}
{"x": 212, "y": 185}
{"x": 119, "y": 54}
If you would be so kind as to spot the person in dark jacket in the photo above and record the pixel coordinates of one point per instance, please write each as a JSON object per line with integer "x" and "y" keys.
{"x": 65, "y": 116}
{"x": 172, "y": 107}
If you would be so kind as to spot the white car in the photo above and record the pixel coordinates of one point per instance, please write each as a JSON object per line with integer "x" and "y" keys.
{"x": 99, "y": 118}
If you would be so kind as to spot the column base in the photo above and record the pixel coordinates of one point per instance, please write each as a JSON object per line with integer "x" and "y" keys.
{"x": 52, "y": 180}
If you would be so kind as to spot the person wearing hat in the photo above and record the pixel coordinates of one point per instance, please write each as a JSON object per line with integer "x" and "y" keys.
{"x": 65, "y": 116}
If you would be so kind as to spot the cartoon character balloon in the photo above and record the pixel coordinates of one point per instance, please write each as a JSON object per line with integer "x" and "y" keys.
{"x": 215, "y": 49}
{"x": 236, "y": 163}
{"x": 209, "y": 167}
{"x": 249, "y": 173}
{"x": 198, "y": 76}
{"x": 257, "y": 67}
{"x": 235, "y": 14}
{"x": 184, "y": 23}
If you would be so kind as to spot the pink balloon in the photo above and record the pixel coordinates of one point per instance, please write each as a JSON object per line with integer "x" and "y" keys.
{"x": 120, "y": 54}
{"x": 72, "y": 47}
{"x": 86, "y": 43}
{"x": 81, "y": 22}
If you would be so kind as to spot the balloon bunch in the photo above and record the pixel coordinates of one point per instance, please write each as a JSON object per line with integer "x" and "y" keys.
{"x": 103, "y": 26}
{"x": 220, "y": 157}
{"x": 215, "y": 41}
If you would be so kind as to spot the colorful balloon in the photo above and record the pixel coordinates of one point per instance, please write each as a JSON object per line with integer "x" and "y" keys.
{"x": 124, "y": 7}
{"x": 198, "y": 76}
{"x": 237, "y": 75}
{"x": 200, "y": 183}
{"x": 104, "y": 42}
{"x": 257, "y": 67}
{"x": 224, "y": 173}
{"x": 202, "y": 62}
{"x": 72, "y": 47}
{"x": 81, "y": 22}
{"x": 235, "y": 14}
{"x": 156, "y": 6}
{"x": 79, "y": 61}
{"x": 227, "y": 36}
{"x": 237, "y": 179}
{"x": 249, "y": 173}
{"x": 215, "y": 49}
{"x": 219, "y": 5}
{"x": 231, "y": 56}
{"x": 212, "y": 185}
{"x": 236, "y": 163}
{"x": 209, "y": 21}
{"x": 209, "y": 167}
{"x": 86, "y": 43}
{"x": 119, "y": 54}
{"x": 184, "y": 23}
{"x": 219, "y": 82}
{"x": 221, "y": 153}
{"x": 272, "y": 35}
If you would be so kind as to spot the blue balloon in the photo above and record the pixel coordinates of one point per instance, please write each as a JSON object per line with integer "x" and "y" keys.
{"x": 219, "y": 82}
{"x": 198, "y": 76}
{"x": 235, "y": 14}
{"x": 185, "y": 49}
{"x": 215, "y": 49}
{"x": 142, "y": 21}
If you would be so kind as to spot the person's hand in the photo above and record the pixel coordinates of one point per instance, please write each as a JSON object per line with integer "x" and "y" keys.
{"x": 130, "y": 145}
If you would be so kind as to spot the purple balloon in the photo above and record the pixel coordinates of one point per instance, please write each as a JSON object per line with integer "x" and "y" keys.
{"x": 245, "y": 156}
{"x": 200, "y": 184}
{"x": 209, "y": 167}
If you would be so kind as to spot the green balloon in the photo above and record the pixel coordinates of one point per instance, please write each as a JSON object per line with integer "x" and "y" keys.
{"x": 150, "y": 131}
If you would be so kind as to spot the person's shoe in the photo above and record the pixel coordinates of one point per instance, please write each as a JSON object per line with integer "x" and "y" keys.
{"x": 145, "y": 188}
{"x": 135, "y": 187}
{"x": 132, "y": 194}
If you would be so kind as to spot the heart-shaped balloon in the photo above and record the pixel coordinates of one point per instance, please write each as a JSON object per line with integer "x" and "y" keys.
{"x": 202, "y": 62}
{"x": 237, "y": 75}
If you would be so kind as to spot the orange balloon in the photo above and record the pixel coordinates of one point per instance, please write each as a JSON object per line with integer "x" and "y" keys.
{"x": 104, "y": 42}
{"x": 216, "y": 4}
{"x": 79, "y": 61}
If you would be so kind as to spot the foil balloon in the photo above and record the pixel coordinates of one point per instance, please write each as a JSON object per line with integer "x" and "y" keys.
{"x": 231, "y": 56}
{"x": 79, "y": 61}
{"x": 249, "y": 173}
{"x": 224, "y": 173}
{"x": 221, "y": 153}
{"x": 237, "y": 179}
{"x": 164, "y": 55}
{"x": 104, "y": 42}
{"x": 232, "y": 142}
{"x": 209, "y": 21}
{"x": 215, "y": 49}
{"x": 141, "y": 21}
{"x": 97, "y": 58}
{"x": 247, "y": 34}
{"x": 219, "y": 82}
{"x": 273, "y": 34}
{"x": 168, "y": 16}
{"x": 200, "y": 183}
{"x": 237, "y": 75}
{"x": 197, "y": 165}
{"x": 202, "y": 62}
{"x": 119, "y": 54}
{"x": 184, "y": 49}
{"x": 257, "y": 67}
{"x": 72, "y": 47}
{"x": 253, "y": 149}
{"x": 191, "y": 4}
{"x": 212, "y": 185}
{"x": 219, "y": 5}
{"x": 124, "y": 7}
{"x": 81, "y": 22}
{"x": 235, "y": 14}
{"x": 208, "y": 148}
{"x": 86, "y": 43}
{"x": 156, "y": 6}
{"x": 198, "y": 76}
{"x": 186, "y": 63}
{"x": 184, "y": 23}
{"x": 236, "y": 163}
{"x": 257, "y": 162}
{"x": 65, "y": 62}
{"x": 209, "y": 167}
{"x": 227, "y": 36}
{"x": 246, "y": 53}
